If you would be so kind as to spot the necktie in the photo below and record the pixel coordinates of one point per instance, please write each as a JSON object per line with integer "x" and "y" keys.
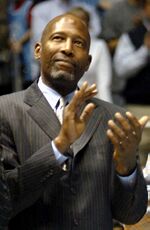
{"x": 60, "y": 109}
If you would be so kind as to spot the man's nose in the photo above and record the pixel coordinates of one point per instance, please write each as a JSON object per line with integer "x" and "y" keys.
{"x": 67, "y": 47}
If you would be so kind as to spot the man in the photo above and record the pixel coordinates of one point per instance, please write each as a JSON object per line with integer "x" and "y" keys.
{"x": 132, "y": 66}
{"x": 69, "y": 176}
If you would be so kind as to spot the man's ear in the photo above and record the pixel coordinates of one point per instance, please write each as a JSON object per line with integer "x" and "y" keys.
{"x": 37, "y": 51}
{"x": 88, "y": 63}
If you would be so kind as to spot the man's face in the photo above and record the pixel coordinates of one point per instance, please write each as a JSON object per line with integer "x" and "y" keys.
{"x": 64, "y": 52}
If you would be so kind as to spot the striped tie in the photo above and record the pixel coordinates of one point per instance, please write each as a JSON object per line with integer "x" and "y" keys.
{"x": 60, "y": 109}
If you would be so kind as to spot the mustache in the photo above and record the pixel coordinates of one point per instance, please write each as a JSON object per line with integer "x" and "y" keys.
{"x": 65, "y": 59}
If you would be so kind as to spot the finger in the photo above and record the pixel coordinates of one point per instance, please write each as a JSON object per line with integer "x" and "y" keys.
{"x": 86, "y": 88}
{"x": 135, "y": 125}
{"x": 123, "y": 123}
{"x": 119, "y": 145}
{"x": 87, "y": 112}
{"x": 116, "y": 129}
{"x": 133, "y": 119}
{"x": 138, "y": 124}
{"x": 88, "y": 91}
{"x": 130, "y": 126}
{"x": 143, "y": 121}
{"x": 114, "y": 139}
{"x": 81, "y": 95}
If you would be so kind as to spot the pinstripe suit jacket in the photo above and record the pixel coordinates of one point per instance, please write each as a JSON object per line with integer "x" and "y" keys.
{"x": 43, "y": 196}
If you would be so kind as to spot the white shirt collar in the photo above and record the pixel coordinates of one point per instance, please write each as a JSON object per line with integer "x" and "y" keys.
{"x": 51, "y": 95}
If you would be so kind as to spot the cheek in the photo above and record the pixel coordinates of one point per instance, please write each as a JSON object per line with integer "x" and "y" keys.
{"x": 46, "y": 58}
{"x": 84, "y": 62}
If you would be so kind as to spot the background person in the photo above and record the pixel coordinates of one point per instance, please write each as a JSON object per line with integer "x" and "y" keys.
{"x": 123, "y": 16}
{"x": 100, "y": 70}
{"x": 19, "y": 40}
{"x": 132, "y": 66}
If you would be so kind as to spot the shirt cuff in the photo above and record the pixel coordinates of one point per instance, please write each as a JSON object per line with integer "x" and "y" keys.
{"x": 129, "y": 181}
{"x": 59, "y": 156}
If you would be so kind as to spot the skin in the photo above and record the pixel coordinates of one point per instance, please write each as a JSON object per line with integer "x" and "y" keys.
{"x": 64, "y": 56}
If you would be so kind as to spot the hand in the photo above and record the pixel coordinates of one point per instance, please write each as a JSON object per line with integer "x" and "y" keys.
{"x": 125, "y": 134}
{"x": 74, "y": 123}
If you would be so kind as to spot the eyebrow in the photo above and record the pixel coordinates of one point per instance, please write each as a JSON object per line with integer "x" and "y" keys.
{"x": 77, "y": 36}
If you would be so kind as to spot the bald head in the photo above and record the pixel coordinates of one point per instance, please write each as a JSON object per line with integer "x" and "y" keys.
{"x": 71, "y": 21}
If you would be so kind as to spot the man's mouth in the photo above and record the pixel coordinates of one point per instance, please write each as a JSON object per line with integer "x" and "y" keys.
{"x": 64, "y": 64}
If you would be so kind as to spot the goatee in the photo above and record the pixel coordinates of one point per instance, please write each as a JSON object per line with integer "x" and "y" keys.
{"x": 62, "y": 76}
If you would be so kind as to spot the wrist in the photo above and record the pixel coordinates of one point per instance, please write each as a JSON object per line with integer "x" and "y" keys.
{"x": 62, "y": 144}
{"x": 125, "y": 169}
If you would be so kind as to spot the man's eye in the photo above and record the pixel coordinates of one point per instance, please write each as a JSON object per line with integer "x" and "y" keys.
{"x": 57, "y": 38}
{"x": 79, "y": 43}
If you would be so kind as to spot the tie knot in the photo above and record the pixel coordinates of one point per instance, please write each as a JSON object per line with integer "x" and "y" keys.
{"x": 60, "y": 108}
{"x": 60, "y": 103}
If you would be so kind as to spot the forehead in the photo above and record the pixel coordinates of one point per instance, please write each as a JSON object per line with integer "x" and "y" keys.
{"x": 69, "y": 25}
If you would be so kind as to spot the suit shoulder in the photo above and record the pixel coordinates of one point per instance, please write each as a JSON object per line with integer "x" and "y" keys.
{"x": 12, "y": 98}
{"x": 107, "y": 107}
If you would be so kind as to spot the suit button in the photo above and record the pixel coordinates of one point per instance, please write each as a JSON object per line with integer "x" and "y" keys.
{"x": 64, "y": 167}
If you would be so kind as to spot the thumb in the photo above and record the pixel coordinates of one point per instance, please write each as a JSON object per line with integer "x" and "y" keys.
{"x": 143, "y": 121}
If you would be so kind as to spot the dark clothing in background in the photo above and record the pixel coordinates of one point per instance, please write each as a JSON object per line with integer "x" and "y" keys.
{"x": 5, "y": 75}
{"x": 137, "y": 90}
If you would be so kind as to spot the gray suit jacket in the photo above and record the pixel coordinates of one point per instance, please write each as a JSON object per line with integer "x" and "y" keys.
{"x": 43, "y": 196}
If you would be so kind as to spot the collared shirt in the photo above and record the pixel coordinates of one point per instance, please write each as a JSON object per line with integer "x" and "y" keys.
{"x": 52, "y": 97}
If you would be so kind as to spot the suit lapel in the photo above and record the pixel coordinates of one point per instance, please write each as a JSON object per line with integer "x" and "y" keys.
{"x": 90, "y": 129}
{"x": 41, "y": 112}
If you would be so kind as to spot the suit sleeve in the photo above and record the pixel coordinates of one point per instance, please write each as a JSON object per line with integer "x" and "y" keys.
{"x": 129, "y": 204}
{"x": 5, "y": 200}
{"x": 25, "y": 182}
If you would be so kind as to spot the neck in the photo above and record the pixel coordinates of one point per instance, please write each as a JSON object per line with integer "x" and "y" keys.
{"x": 63, "y": 88}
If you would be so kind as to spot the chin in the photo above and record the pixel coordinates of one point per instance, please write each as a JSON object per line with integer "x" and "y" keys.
{"x": 63, "y": 82}
{"x": 62, "y": 76}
